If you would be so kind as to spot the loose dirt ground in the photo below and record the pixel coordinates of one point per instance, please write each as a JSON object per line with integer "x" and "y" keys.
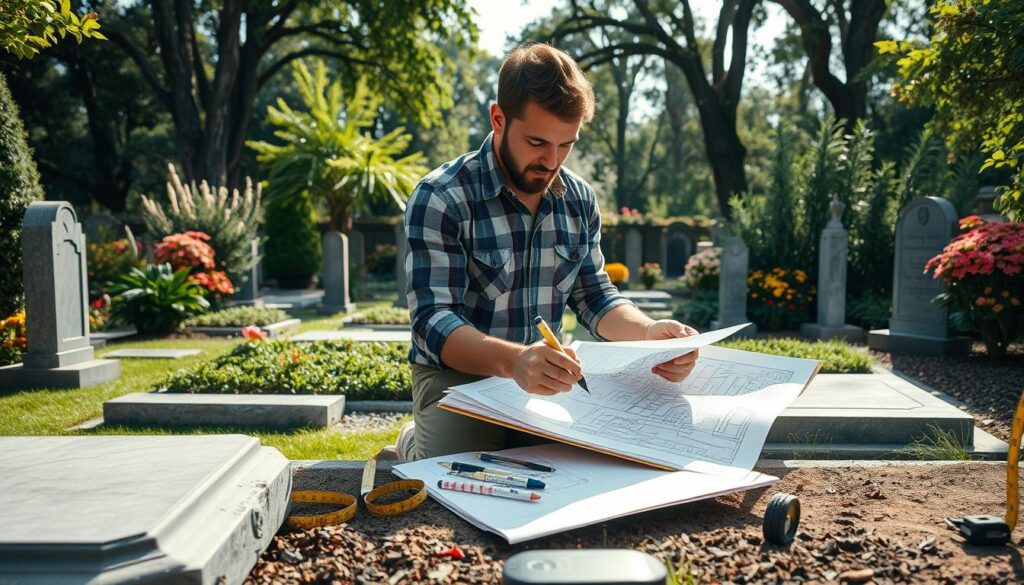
{"x": 861, "y": 524}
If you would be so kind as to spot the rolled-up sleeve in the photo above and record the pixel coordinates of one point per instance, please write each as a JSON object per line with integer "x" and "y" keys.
{"x": 593, "y": 293}
{"x": 436, "y": 264}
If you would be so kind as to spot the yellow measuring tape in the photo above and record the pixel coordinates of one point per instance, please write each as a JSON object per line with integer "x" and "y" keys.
{"x": 1013, "y": 454}
{"x": 348, "y": 503}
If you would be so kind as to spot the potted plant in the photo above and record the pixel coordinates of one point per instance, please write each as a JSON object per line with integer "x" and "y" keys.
{"x": 650, "y": 274}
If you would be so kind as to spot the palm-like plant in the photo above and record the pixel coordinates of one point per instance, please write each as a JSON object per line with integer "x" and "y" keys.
{"x": 157, "y": 299}
{"x": 327, "y": 149}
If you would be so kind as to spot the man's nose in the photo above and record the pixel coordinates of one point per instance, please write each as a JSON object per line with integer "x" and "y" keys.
{"x": 550, "y": 157}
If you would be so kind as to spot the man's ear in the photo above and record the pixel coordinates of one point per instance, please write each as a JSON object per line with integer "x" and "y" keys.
{"x": 498, "y": 119}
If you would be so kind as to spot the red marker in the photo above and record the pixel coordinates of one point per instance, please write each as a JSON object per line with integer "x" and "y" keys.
{"x": 487, "y": 490}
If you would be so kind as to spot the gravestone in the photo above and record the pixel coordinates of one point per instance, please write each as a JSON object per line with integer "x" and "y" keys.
{"x": 335, "y": 274}
{"x": 357, "y": 252}
{"x": 678, "y": 249}
{"x": 401, "y": 274}
{"x": 634, "y": 252}
{"x": 102, "y": 227}
{"x": 56, "y": 305}
{"x": 159, "y": 509}
{"x": 249, "y": 292}
{"x": 732, "y": 286}
{"x": 918, "y": 326}
{"x": 832, "y": 259}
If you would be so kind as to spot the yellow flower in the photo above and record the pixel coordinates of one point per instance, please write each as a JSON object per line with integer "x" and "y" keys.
{"x": 754, "y": 296}
{"x": 777, "y": 292}
{"x": 789, "y": 297}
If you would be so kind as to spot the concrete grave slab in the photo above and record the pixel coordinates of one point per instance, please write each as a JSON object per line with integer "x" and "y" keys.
{"x": 647, "y": 295}
{"x": 197, "y": 509}
{"x": 99, "y": 339}
{"x": 274, "y": 330}
{"x": 153, "y": 353}
{"x": 236, "y": 410}
{"x": 359, "y": 335}
{"x": 291, "y": 299}
{"x": 80, "y": 375}
{"x": 348, "y": 323}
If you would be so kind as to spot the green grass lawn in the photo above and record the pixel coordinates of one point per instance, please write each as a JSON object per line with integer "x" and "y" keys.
{"x": 52, "y": 411}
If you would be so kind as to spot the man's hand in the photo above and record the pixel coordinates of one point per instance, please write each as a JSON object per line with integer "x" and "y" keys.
{"x": 678, "y": 369}
{"x": 545, "y": 371}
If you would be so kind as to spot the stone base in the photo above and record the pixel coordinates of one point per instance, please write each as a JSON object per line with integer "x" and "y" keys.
{"x": 85, "y": 374}
{"x": 324, "y": 309}
{"x": 138, "y": 509}
{"x": 274, "y": 330}
{"x": 233, "y": 410}
{"x": 358, "y": 335}
{"x": 847, "y": 332}
{"x": 883, "y": 340}
{"x": 747, "y": 331}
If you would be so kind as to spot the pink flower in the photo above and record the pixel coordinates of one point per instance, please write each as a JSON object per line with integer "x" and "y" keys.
{"x": 253, "y": 333}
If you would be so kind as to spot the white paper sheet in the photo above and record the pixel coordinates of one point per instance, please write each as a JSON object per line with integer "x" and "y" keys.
{"x": 715, "y": 421}
{"x": 586, "y": 488}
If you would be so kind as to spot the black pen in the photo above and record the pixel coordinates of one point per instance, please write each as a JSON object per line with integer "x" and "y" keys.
{"x": 492, "y": 458}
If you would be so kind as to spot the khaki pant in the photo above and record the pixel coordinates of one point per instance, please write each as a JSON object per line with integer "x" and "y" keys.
{"x": 441, "y": 432}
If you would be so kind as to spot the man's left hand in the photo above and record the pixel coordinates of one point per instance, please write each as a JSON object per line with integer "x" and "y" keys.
{"x": 678, "y": 369}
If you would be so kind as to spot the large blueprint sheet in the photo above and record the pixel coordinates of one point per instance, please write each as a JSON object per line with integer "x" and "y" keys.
{"x": 715, "y": 421}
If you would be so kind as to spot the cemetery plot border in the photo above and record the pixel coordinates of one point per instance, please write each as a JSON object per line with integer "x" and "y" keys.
{"x": 280, "y": 411}
{"x": 273, "y": 330}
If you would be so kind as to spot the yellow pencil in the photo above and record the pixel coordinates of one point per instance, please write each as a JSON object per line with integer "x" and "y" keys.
{"x": 552, "y": 342}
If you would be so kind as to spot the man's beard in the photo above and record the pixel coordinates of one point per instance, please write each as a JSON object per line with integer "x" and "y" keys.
{"x": 518, "y": 175}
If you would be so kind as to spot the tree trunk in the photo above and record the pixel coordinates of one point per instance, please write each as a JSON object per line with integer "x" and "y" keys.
{"x": 726, "y": 152}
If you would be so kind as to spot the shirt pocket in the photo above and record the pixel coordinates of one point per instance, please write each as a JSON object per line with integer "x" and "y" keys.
{"x": 490, "y": 271}
{"x": 568, "y": 259}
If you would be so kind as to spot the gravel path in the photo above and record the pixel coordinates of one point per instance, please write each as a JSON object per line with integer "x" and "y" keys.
{"x": 360, "y": 422}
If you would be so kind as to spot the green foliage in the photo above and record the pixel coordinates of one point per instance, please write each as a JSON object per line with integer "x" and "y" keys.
{"x": 381, "y": 261}
{"x": 837, "y": 357}
{"x": 360, "y": 371}
{"x": 970, "y": 72}
{"x": 699, "y": 310}
{"x": 157, "y": 299}
{"x": 19, "y": 186}
{"x": 28, "y": 26}
{"x": 293, "y": 250}
{"x": 230, "y": 221}
{"x": 381, "y": 316}
{"x": 328, "y": 150}
{"x": 106, "y": 261}
{"x": 936, "y": 445}
{"x": 870, "y": 311}
{"x": 238, "y": 317}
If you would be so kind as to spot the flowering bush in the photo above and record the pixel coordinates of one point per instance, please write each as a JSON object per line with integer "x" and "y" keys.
{"x": 650, "y": 274}
{"x": 190, "y": 250}
{"x": 984, "y": 271}
{"x": 702, "y": 270}
{"x": 106, "y": 261}
{"x": 99, "y": 313}
{"x": 779, "y": 298}
{"x": 253, "y": 333}
{"x": 617, "y": 272}
{"x": 13, "y": 338}
{"x": 625, "y": 216}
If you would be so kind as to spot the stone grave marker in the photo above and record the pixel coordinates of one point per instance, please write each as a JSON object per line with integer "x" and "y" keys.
{"x": 102, "y": 227}
{"x": 401, "y": 275}
{"x": 919, "y": 326}
{"x": 56, "y": 305}
{"x": 832, "y": 259}
{"x": 357, "y": 252}
{"x": 156, "y": 509}
{"x": 335, "y": 274}
{"x": 249, "y": 291}
{"x": 732, "y": 287}
{"x": 634, "y": 252}
{"x": 678, "y": 249}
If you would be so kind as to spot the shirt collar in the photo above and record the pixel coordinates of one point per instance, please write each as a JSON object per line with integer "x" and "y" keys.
{"x": 494, "y": 181}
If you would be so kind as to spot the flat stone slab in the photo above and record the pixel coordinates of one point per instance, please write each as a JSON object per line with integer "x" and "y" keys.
{"x": 274, "y": 330}
{"x": 885, "y": 340}
{"x": 113, "y": 334}
{"x": 236, "y": 410}
{"x": 379, "y": 406}
{"x": 81, "y": 375}
{"x": 360, "y": 335}
{"x": 347, "y": 323}
{"x": 867, "y": 409}
{"x": 647, "y": 295}
{"x": 152, "y": 353}
{"x": 197, "y": 509}
{"x": 291, "y": 299}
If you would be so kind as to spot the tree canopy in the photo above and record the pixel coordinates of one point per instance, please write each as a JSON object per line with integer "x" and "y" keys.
{"x": 29, "y": 26}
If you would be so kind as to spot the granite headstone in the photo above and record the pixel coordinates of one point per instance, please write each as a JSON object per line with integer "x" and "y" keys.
{"x": 678, "y": 249}
{"x": 634, "y": 252}
{"x": 401, "y": 272}
{"x": 732, "y": 286}
{"x": 832, "y": 260}
{"x": 335, "y": 274}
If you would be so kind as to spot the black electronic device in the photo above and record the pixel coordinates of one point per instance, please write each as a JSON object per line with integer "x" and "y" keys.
{"x": 982, "y": 529}
{"x": 573, "y": 566}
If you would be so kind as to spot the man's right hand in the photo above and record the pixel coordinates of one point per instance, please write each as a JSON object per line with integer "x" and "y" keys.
{"x": 545, "y": 371}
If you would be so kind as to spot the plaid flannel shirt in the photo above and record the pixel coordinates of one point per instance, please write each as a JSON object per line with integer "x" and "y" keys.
{"x": 476, "y": 256}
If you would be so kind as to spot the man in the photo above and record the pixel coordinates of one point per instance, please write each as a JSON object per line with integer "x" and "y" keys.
{"x": 501, "y": 235}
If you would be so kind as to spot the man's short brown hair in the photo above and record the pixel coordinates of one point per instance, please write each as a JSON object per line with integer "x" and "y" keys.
{"x": 542, "y": 73}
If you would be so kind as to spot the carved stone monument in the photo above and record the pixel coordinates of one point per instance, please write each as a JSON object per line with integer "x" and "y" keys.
{"x": 832, "y": 259}
{"x": 401, "y": 275}
{"x": 678, "y": 249}
{"x": 919, "y": 326}
{"x": 732, "y": 287}
{"x": 357, "y": 252}
{"x": 335, "y": 274}
{"x": 634, "y": 252}
{"x": 56, "y": 305}
{"x": 249, "y": 292}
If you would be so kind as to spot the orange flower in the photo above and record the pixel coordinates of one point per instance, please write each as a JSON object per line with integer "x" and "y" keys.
{"x": 253, "y": 333}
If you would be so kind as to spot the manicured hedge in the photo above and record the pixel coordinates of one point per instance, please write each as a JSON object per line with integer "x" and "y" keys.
{"x": 381, "y": 316}
{"x": 360, "y": 371}
{"x": 837, "y": 357}
{"x": 238, "y": 317}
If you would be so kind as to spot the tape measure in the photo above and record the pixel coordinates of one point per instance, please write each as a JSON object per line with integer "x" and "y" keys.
{"x": 1013, "y": 454}
{"x": 370, "y": 496}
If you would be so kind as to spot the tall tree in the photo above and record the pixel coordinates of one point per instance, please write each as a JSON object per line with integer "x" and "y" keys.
{"x": 670, "y": 32}
{"x": 857, "y": 30}
{"x": 215, "y": 57}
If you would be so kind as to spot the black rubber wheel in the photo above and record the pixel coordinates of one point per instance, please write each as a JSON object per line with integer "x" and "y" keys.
{"x": 781, "y": 518}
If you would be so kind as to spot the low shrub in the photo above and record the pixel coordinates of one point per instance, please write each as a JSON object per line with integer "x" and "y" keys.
{"x": 837, "y": 357}
{"x": 360, "y": 371}
{"x": 381, "y": 261}
{"x": 779, "y": 298}
{"x": 238, "y": 317}
{"x": 702, "y": 270}
{"x": 13, "y": 341}
{"x": 650, "y": 274}
{"x": 618, "y": 273}
{"x": 99, "y": 313}
{"x": 381, "y": 316}
{"x": 108, "y": 261}
{"x": 157, "y": 299}
{"x": 698, "y": 310}
{"x": 870, "y": 311}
